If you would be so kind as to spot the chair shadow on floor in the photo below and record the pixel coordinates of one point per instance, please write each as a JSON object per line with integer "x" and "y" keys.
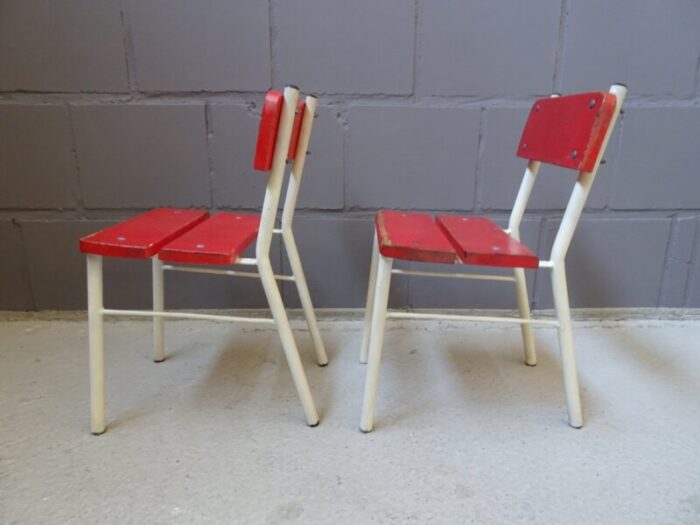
{"x": 653, "y": 360}
{"x": 492, "y": 379}
{"x": 127, "y": 418}
{"x": 224, "y": 375}
{"x": 508, "y": 381}
{"x": 252, "y": 368}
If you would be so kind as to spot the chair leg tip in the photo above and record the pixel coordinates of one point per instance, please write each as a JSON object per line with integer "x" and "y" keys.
{"x": 159, "y": 360}
{"x": 323, "y": 365}
{"x": 365, "y": 431}
{"x": 533, "y": 364}
{"x": 314, "y": 425}
{"x": 576, "y": 425}
{"x": 98, "y": 433}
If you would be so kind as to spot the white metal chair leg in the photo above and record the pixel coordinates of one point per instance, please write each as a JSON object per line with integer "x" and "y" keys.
{"x": 158, "y": 306}
{"x": 566, "y": 345}
{"x": 290, "y": 348}
{"x": 381, "y": 296}
{"x": 305, "y": 297}
{"x": 370, "y": 300}
{"x": 96, "y": 343}
{"x": 524, "y": 307}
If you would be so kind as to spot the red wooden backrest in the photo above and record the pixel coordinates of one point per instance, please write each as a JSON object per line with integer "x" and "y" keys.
{"x": 269, "y": 125}
{"x": 267, "y": 133}
{"x": 296, "y": 130}
{"x": 567, "y": 131}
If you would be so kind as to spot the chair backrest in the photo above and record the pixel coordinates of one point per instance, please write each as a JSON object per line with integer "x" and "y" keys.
{"x": 267, "y": 132}
{"x": 283, "y": 136}
{"x": 269, "y": 126}
{"x": 573, "y": 132}
{"x": 567, "y": 131}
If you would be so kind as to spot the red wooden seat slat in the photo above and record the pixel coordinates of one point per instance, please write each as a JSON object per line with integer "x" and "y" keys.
{"x": 219, "y": 240}
{"x": 568, "y": 131}
{"x": 412, "y": 236}
{"x": 481, "y": 241}
{"x": 142, "y": 236}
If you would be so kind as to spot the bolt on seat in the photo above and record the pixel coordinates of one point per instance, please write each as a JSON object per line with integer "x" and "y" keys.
{"x": 143, "y": 236}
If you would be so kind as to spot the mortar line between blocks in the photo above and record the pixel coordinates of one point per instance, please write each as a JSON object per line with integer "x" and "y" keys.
{"x": 273, "y": 41}
{"x": 27, "y": 274}
{"x": 77, "y": 182}
{"x": 128, "y": 46}
{"x": 209, "y": 132}
{"x": 417, "y": 6}
{"x": 672, "y": 232}
{"x": 480, "y": 151}
{"x": 561, "y": 43}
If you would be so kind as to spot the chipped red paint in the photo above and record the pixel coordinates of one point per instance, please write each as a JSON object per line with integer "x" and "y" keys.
{"x": 567, "y": 131}
{"x": 219, "y": 240}
{"x": 413, "y": 237}
{"x": 267, "y": 133}
{"x": 480, "y": 241}
{"x": 141, "y": 237}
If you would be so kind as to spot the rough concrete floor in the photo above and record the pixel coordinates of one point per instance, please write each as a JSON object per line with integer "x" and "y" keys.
{"x": 465, "y": 432}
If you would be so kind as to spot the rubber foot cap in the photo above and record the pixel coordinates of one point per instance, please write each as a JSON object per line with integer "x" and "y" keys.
{"x": 159, "y": 361}
{"x": 99, "y": 433}
{"x": 315, "y": 424}
{"x": 323, "y": 365}
{"x": 365, "y": 431}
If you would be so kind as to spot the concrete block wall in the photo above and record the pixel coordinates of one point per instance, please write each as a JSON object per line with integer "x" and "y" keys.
{"x": 111, "y": 107}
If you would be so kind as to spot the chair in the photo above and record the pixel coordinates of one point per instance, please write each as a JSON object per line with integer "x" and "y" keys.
{"x": 570, "y": 131}
{"x": 168, "y": 235}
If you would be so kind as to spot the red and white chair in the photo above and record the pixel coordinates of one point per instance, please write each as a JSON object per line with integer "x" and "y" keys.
{"x": 168, "y": 236}
{"x": 570, "y": 131}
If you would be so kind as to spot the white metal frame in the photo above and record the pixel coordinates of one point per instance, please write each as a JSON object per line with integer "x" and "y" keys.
{"x": 381, "y": 271}
{"x": 97, "y": 311}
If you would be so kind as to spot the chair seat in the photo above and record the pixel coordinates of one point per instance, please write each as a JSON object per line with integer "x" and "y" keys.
{"x": 481, "y": 241}
{"x": 413, "y": 237}
{"x": 219, "y": 240}
{"x": 449, "y": 239}
{"x": 141, "y": 237}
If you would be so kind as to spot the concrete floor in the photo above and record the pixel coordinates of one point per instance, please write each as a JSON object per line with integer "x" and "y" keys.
{"x": 465, "y": 433}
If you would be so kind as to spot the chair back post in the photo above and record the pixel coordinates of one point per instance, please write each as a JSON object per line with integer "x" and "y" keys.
{"x": 290, "y": 201}
{"x": 521, "y": 200}
{"x": 276, "y": 176}
{"x": 523, "y": 197}
{"x": 582, "y": 188}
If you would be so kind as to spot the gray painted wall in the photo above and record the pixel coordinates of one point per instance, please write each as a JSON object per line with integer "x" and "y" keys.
{"x": 108, "y": 108}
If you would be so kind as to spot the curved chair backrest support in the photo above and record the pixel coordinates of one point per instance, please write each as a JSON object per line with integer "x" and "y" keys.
{"x": 283, "y": 136}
